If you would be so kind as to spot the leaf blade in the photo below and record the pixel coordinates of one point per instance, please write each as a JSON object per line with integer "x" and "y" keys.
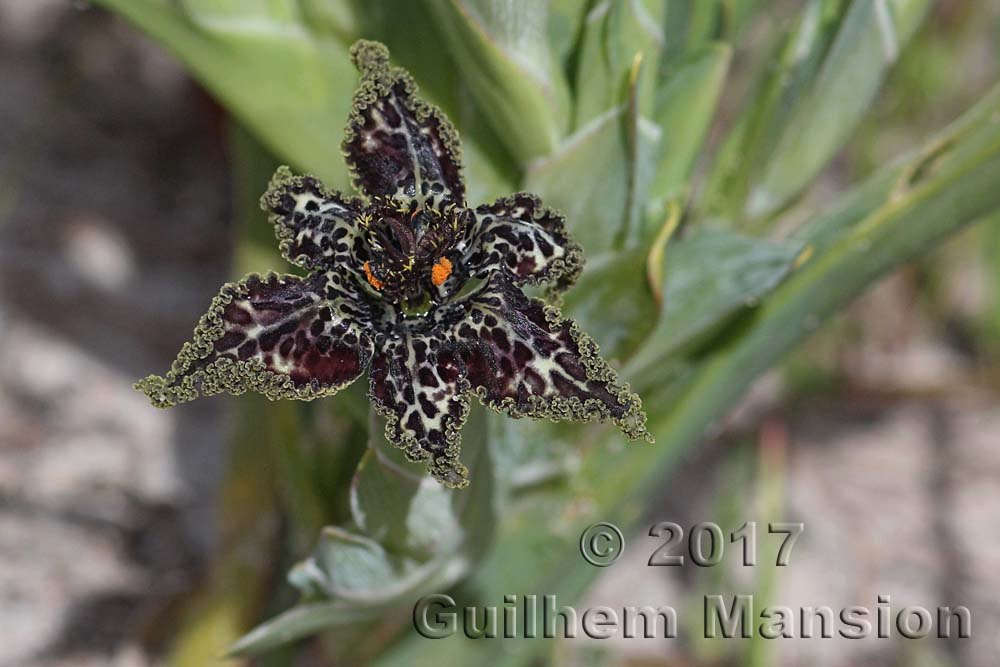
{"x": 536, "y": 559}
{"x": 502, "y": 51}
{"x": 867, "y": 45}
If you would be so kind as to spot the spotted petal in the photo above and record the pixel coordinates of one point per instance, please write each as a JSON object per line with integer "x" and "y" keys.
{"x": 417, "y": 383}
{"x": 316, "y": 228}
{"x": 281, "y": 336}
{"x": 518, "y": 235}
{"x": 395, "y": 143}
{"x": 523, "y": 358}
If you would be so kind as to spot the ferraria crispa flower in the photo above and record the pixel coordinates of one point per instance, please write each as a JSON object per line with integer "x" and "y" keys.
{"x": 410, "y": 285}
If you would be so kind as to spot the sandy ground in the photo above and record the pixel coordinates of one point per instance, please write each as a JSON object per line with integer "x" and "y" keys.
{"x": 113, "y": 237}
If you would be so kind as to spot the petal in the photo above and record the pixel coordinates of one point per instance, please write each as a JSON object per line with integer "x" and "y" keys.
{"x": 527, "y": 240}
{"x": 281, "y": 336}
{"x": 396, "y": 144}
{"x": 418, "y": 383}
{"x": 525, "y": 359}
{"x": 315, "y": 226}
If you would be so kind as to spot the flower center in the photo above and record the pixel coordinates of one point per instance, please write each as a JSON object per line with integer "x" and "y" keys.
{"x": 440, "y": 271}
{"x": 411, "y": 249}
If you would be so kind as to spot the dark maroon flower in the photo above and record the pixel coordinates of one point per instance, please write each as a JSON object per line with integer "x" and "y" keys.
{"x": 410, "y": 285}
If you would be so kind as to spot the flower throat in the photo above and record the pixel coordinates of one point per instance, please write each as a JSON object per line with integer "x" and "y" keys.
{"x": 412, "y": 250}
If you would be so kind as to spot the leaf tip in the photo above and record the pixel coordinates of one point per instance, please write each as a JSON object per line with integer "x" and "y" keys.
{"x": 654, "y": 260}
{"x": 804, "y": 256}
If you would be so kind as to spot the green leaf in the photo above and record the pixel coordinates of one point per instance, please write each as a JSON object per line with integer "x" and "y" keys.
{"x": 566, "y": 18}
{"x": 598, "y": 178}
{"x": 953, "y": 143}
{"x": 867, "y": 45}
{"x": 394, "y": 502}
{"x": 302, "y": 621}
{"x": 359, "y": 580}
{"x": 692, "y": 25}
{"x": 502, "y": 52}
{"x": 737, "y": 14}
{"x": 281, "y": 67}
{"x": 244, "y": 16}
{"x": 402, "y": 508}
{"x": 614, "y": 483}
{"x": 534, "y": 452}
{"x": 347, "y": 565}
{"x": 436, "y": 537}
{"x": 685, "y": 106}
{"x": 479, "y": 507}
{"x": 289, "y": 85}
{"x": 688, "y": 25}
{"x": 615, "y": 33}
{"x": 709, "y": 276}
{"x": 339, "y": 19}
{"x": 613, "y": 303}
{"x": 786, "y": 77}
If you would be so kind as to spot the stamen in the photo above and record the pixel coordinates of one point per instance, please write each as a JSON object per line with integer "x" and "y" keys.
{"x": 440, "y": 271}
{"x": 375, "y": 282}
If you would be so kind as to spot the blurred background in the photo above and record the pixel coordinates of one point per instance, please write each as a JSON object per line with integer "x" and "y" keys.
{"x": 117, "y": 222}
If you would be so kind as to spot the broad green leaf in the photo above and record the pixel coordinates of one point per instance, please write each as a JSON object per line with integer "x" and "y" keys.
{"x": 737, "y": 14}
{"x": 401, "y": 508}
{"x": 340, "y": 19}
{"x": 787, "y": 76}
{"x": 350, "y": 579}
{"x": 688, "y": 25}
{"x": 691, "y": 25}
{"x": 944, "y": 148}
{"x": 502, "y": 52}
{"x": 267, "y": 17}
{"x": 598, "y": 178}
{"x": 615, "y": 34}
{"x": 358, "y": 563}
{"x": 290, "y": 86}
{"x": 394, "y": 502}
{"x": 535, "y": 452}
{"x": 348, "y": 565}
{"x": 281, "y": 67}
{"x": 867, "y": 45}
{"x": 565, "y": 19}
{"x": 302, "y": 621}
{"x": 614, "y": 484}
{"x": 478, "y": 507}
{"x": 708, "y": 277}
{"x": 613, "y": 303}
{"x": 440, "y": 534}
{"x": 685, "y": 106}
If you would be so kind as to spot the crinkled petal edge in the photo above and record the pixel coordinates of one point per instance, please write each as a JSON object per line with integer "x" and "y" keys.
{"x": 285, "y": 179}
{"x": 224, "y": 375}
{"x": 632, "y": 423}
{"x": 378, "y": 77}
{"x": 445, "y": 468}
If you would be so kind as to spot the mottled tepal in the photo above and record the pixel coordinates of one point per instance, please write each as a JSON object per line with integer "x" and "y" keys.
{"x": 410, "y": 285}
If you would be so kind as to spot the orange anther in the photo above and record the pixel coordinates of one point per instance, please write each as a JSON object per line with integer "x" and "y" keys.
{"x": 375, "y": 282}
{"x": 440, "y": 271}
